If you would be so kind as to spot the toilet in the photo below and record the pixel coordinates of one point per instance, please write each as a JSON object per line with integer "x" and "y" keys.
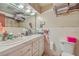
{"x": 67, "y": 48}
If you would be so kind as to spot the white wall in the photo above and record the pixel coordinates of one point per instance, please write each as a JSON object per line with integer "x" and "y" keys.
{"x": 71, "y": 20}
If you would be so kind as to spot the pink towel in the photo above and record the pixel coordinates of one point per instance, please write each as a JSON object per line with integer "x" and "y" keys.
{"x": 71, "y": 39}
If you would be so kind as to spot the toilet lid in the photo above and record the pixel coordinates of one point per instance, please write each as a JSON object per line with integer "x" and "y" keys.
{"x": 67, "y": 54}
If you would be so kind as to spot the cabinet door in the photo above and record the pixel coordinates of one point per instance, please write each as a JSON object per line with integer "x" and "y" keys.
{"x": 28, "y": 53}
{"x": 41, "y": 46}
{"x": 36, "y": 53}
{"x": 35, "y": 46}
{"x": 27, "y": 50}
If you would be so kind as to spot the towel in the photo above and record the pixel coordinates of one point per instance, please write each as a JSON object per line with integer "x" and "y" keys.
{"x": 71, "y": 39}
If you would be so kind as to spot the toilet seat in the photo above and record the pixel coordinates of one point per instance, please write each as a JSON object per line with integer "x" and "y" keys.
{"x": 66, "y": 54}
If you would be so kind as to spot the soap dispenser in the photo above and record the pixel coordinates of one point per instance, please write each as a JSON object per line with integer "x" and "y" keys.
{"x": 5, "y": 36}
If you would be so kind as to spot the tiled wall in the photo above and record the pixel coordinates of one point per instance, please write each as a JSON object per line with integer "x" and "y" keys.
{"x": 14, "y": 29}
{"x": 11, "y": 23}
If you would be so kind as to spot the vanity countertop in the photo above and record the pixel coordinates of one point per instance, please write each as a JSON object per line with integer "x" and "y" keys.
{"x": 4, "y": 45}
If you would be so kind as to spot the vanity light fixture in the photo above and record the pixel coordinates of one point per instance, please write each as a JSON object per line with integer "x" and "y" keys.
{"x": 20, "y": 6}
{"x": 28, "y": 11}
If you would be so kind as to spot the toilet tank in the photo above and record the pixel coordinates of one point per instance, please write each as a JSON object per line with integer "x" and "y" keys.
{"x": 67, "y": 47}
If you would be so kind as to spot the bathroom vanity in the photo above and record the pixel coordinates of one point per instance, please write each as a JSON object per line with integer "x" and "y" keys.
{"x": 23, "y": 46}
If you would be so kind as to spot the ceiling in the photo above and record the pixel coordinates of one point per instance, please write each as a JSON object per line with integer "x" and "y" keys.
{"x": 64, "y": 7}
{"x": 9, "y": 8}
{"x": 14, "y": 8}
{"x": 41, "y": 7}
{"x": 19, "y": 11}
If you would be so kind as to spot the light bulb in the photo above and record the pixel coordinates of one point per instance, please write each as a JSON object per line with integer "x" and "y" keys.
{"x": 28, "y": 11}
{"x": 32, "y": 13}
{"x": 20, "y": 6}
